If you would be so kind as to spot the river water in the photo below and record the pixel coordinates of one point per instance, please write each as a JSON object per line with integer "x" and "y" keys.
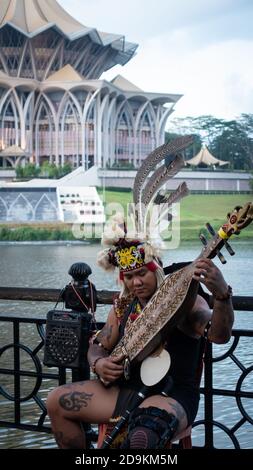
{"x": 46, "y": 266}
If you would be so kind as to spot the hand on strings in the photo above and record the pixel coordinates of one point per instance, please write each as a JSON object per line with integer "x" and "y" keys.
{"x": 209, "y": 274}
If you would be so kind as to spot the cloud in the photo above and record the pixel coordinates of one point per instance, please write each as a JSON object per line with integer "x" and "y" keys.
{"x": 148, "y": 18}
{"x": 215, "y": 79}
{"x": 199, "y": 49}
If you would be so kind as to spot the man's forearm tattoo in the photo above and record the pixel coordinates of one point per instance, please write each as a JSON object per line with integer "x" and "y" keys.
{"x": 75, "y": 401}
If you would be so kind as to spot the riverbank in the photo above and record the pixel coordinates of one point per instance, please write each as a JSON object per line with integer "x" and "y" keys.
{"x": 35, "y": 232}
{"x": 189, "y": 232}
{"x": 47, "y": 243}
{"x": 195, "y": 211}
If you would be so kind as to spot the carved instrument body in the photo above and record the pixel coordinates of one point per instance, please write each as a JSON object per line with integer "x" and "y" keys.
{"x": 175, "y": 296}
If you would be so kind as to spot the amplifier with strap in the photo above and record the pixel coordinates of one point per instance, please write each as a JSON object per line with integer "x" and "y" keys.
{"x": 67, "y": 338}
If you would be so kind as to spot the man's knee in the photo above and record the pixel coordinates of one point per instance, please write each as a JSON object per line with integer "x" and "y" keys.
{"x": 150, "y": 428}
{"x": 52, "y": 403}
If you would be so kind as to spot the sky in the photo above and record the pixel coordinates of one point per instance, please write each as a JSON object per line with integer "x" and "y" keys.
{"x": 202, "y": 49}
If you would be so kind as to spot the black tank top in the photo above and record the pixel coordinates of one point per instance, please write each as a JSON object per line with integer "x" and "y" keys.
{"x": 185, "y": 359}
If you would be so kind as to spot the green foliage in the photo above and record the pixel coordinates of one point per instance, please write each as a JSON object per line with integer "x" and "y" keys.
{"x": 28, "y": 171}
{"x": 65, "y": 169}
{"x": 228, "y": 140}
{"x": 233, "y": 145}
{"x": 19, "y": 172}
{"x": 195, "y": 211}
{"x": 193, "y": 149}
{"x": 251, "y": 183}
{"x": 30, "y": 233}
{"x": 47, "y": 170}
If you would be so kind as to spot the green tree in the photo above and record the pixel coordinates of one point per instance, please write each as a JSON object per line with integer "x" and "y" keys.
{"x": 49, "y": 170}
{"x": 251, "y": 184}
{"x": 227, "y": 140}
{"x": 233, "y": 145}
{"x": 31, "y": 170}
{"x": 19, "y": 171}
{"x": 65, "y": 169}
{"x": 207, "y": 127}
{"x": 193, "y": 149}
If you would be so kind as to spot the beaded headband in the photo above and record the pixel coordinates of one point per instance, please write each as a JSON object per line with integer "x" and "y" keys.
{"x": 124, "y": 253}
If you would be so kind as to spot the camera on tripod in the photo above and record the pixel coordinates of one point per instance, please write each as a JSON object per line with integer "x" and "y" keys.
{"x": 80, "y": 294}
{"x": 68, "y": 332}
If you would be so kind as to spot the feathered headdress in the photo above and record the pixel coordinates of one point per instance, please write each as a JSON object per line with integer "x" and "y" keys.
{"x": 129, "y": 253}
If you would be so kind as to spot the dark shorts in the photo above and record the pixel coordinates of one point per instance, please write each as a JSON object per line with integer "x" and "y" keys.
{"x": 188, "y": 398}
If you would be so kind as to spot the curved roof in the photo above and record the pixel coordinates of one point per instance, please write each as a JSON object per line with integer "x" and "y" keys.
{"x": 124, "y": 84}
{"x": 34, "y": 16}
{"x": 13, "y": 151}
{"x": 204, "y": 156}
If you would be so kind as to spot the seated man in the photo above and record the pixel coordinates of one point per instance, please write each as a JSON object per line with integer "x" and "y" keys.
{"x": 158, "y": 417}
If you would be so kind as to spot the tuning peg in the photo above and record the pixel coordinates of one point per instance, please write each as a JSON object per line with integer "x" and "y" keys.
{"x": 210, "y": 229}
{"x": 221, "y": 257}
{"x": 203, "y": 239}
{"x": 227, "y": 245}
{"x": 213, "y": 233}
{"x": 229, "y": 248}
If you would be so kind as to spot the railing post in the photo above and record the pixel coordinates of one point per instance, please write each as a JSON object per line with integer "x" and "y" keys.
{"x": 16, "y": 371}
{"x": 208, "y": 389}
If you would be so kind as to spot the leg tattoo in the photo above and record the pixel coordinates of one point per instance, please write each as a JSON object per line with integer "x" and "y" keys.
{"x": 74, "y": 401}
{"x": 178, "y": 410}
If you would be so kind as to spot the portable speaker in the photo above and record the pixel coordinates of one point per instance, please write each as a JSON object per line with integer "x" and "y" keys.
{"x": 67, "y": 338}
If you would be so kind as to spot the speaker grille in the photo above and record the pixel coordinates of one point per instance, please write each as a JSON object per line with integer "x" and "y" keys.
{"x": 67, "y": 338}
{"x": 62, "y": 344}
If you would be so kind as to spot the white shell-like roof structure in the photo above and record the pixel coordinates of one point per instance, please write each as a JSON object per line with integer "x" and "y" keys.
{"x": 32, "y": 17}
{"x": 204, "y": 156}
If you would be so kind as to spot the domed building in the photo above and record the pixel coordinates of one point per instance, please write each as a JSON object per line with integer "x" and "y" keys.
{"x": 54, "y": 106}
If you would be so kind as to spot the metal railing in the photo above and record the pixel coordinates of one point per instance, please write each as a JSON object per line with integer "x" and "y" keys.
{"x": 36, "y": 376}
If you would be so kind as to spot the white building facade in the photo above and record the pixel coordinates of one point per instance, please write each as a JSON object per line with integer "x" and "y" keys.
{"x": 53, "y": 104}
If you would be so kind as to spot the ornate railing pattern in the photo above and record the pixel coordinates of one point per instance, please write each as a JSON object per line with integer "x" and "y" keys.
{"x": 34, "y": 391}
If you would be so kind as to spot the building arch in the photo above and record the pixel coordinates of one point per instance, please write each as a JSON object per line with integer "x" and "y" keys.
{"x": 162, "y": 124}
{"x": 124, "y": 148}
{"x": 111, "y": 130}
{"x": 3, "y": 209}
{"x": 4, "y": 98}
{"x": 90, "y": 144}
{"x": 146, "y": 132}
{"x": 69, "y": 131}
{"x": 92, "y": 95}
{"x": 20, "y": 209}
{"x": 45, "y": 209}
{"x": 10, "y": 127}
{"x": 28, "y": 114}
{"x": 45, "y": 132}
{"x": 102, "y": 126}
